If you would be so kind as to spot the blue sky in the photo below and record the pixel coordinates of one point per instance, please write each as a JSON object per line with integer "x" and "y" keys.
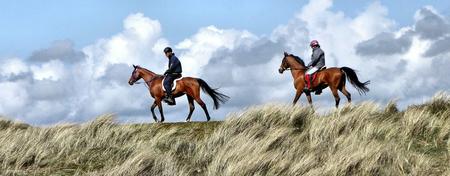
{"x": 30, "y": 25}
{"x": 69, "y": 61}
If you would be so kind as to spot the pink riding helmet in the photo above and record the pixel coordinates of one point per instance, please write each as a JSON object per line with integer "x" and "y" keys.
{"x": 314, "y": 43}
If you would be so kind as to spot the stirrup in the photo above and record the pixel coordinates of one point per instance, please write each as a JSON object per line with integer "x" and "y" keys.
{"x": 169, "y": 101}
{"x": 306, "y": 90}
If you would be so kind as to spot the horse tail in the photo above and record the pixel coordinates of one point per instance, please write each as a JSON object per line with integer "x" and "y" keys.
{"x": 353, "y": 78}
{"x": 217, "y": 97}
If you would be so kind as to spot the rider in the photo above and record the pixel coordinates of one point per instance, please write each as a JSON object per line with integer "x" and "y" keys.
{"x": 317, "y": 62}
{"x": 173, "y": 72}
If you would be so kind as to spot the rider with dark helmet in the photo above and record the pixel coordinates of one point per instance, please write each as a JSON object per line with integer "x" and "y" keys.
{"x": 317, "y": 62}
{"x": 173, "y": 72}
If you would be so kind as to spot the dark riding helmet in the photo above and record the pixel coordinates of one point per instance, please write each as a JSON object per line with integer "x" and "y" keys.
{"x": 167, "y": 49}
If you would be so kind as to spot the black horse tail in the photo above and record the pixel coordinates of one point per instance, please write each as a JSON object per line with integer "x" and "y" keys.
{"x": 351, "y": 76}
{"x": 217, "y": 97}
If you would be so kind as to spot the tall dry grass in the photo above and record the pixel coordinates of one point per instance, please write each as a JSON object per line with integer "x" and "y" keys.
{"x": 362, "y": 139}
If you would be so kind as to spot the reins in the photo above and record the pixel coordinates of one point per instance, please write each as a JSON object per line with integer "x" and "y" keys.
{"x": 149, "y": 81}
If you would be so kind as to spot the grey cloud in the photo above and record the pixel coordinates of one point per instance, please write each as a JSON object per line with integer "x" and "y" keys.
{"x": 26, "y": 76}
{"x": 440, "y": 71}
{"x": 59, "y": 50}
{"x": 118, "y": 73}
{"x": 241, "y": 72}
{"x": 439, "y": 47}
{"x": 384, "y": 44}
{"x": 50, "y": 90}
{"x": 219, "y": 68}
{"x": 431, "y": 26}
{"x": 260, "y": 52}
{"x": 390, "y": 74}
{"x": 224, "y": 62}
{"x": 426, "y": 82}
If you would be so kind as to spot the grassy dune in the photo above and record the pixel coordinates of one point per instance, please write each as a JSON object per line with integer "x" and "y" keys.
{"x": 363, "y": 139}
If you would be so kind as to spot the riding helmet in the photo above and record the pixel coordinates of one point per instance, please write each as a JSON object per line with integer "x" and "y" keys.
{"x": 167, "y": 49}
{"x": 314, "y": 43}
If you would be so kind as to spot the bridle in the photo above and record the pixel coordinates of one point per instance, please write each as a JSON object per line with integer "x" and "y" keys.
{"x": 141, "y": 82}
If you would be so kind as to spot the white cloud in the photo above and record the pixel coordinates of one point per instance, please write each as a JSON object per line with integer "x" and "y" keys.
{"x": 14, "y": 66}
{"x": 13, "y": 97}
{"x": 198, "y": 49}
{"x": 136, "y": 44}
{"x": 372, "y": 21}
{"x": 53, "y": 70}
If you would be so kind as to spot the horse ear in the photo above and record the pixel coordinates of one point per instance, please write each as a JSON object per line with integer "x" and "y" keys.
{"x": 134, "y": 66}
{"x": 285, "y": 53}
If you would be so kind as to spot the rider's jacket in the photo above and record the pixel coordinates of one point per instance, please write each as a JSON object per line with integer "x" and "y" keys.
{"x": 317, "y": 58}
{"x": 174, "y": 65}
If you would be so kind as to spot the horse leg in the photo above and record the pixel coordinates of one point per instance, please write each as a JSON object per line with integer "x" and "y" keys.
{"x": 346, "y": 93}
{"x": 152, "y": 108}
{"x": 297, "y": 96}
{"x": 336, "y": 96}
{"x": 158, "y": 102}
{"x": 191, "y": 107}
{"x": 202, "y": 104}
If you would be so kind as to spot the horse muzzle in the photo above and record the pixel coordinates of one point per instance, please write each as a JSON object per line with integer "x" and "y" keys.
{"x": 280, "y": 70}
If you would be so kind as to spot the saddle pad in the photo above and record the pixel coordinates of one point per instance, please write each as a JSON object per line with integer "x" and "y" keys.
{"x": 174, "y": 84}
{"x": 307, "y": 77}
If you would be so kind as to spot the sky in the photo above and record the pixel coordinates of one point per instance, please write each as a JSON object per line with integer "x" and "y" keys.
{"x": 70, "y": 61}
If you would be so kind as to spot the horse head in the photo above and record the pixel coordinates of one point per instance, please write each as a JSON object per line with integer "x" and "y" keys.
{"x": 291, "y": 62}
{"x": 135, "y": 75}
{"x": 284, "y": 64}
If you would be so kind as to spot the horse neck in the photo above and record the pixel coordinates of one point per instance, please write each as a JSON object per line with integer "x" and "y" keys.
{"x": 147, "y": 75}
{"x": 297, "y": 69}
{"x": 297, "y": 73}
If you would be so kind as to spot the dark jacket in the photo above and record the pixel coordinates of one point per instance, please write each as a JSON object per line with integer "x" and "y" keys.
{"x": 174, "y": 65}
{"x": 317, "y": 58}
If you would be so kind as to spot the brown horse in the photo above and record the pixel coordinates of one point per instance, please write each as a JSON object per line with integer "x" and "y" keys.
{"x": 187, "y": 85}
{"x": 331, "y": 77}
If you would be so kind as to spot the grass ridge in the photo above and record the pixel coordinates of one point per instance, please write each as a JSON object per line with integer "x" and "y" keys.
{"x": 273, "y": 139}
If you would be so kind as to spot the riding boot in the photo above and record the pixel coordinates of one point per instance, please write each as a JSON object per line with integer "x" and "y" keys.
{"x": 169, "y": 99}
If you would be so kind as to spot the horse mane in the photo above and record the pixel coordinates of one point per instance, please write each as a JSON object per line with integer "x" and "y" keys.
{"x": 298, "y": 59}
{"x": 147, "y": 70}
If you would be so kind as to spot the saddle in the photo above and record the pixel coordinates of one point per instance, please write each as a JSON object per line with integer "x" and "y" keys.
{"x": 314, "y": 74}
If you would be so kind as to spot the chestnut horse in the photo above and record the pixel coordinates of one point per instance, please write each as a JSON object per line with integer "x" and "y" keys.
{"x": 331, "y": 77}
{"x": 187, "y": 85}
